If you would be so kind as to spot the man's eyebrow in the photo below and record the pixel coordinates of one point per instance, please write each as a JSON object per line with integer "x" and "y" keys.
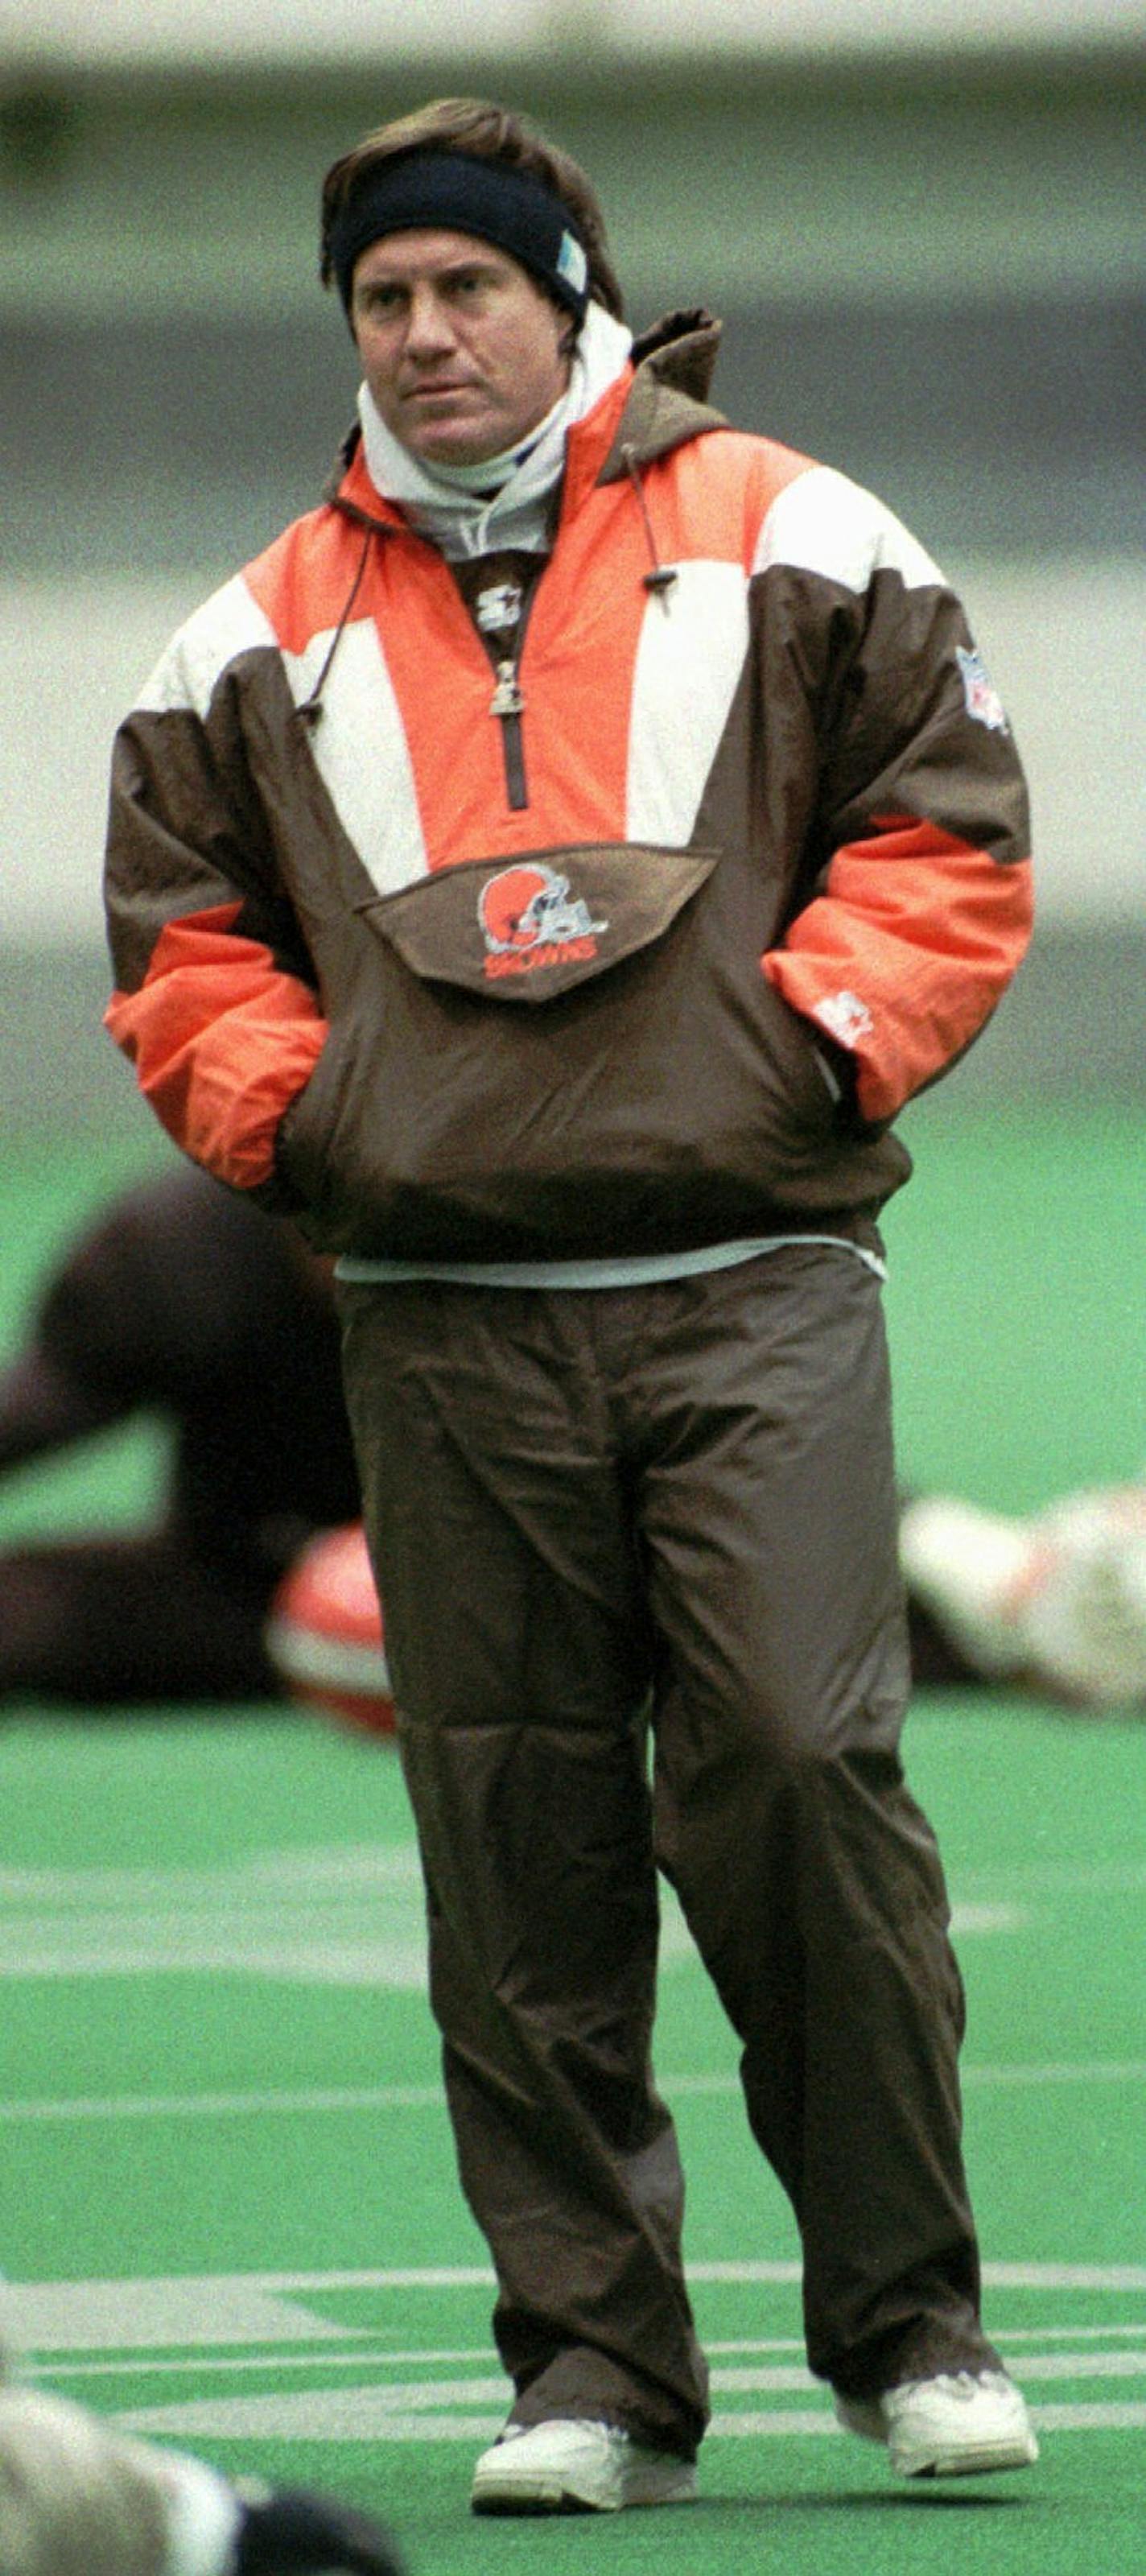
{"x": 480, "y": 264}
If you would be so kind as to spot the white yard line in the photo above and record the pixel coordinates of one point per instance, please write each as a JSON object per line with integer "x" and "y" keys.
{"x": 228, "y": 2106}
{"x": 340, "y": 1916}
{"x": 402, "y": 2414}
{"x": 327, "y": 2099}
{"x": 88, "y": 2330}
{"x": 205, "y": 2312}
{"x": 227, "y": 2364}
{"x": 1074, "y": 2364}
{"x": 1102, "y": 2070}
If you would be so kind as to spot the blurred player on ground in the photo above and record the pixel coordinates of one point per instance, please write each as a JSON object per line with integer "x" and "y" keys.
{"x": 79, "y": 2498}
{"x": 1054, "y": 1602}
{"x": 180, "y": 1302}
{"x": 183, "y": 1303}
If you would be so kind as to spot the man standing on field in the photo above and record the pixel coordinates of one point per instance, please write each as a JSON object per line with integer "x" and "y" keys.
{"x": 547, "y": 871}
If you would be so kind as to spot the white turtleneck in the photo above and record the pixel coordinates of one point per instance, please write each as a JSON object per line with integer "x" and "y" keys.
{"x": 503, "y": 501}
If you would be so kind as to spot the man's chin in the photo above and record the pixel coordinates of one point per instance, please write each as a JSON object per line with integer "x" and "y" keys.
{"x": 442, "y": 447}
{"x": 447, "y": 438}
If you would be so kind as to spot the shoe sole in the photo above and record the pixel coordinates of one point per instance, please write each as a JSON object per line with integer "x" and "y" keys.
{"x": 982, "y": 2460}
{"x": 536, "y": 2494}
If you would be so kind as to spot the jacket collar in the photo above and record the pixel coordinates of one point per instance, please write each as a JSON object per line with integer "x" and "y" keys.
{"x": 659, "y": 402}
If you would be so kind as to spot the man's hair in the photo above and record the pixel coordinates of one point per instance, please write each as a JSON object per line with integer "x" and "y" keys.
{"x": 478, "y": 128}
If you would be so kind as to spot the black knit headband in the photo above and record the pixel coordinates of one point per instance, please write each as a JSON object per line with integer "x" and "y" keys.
{"x": 491, "y": 199}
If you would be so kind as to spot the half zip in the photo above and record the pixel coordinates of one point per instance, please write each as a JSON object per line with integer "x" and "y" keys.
{"x": 507, "y": 705}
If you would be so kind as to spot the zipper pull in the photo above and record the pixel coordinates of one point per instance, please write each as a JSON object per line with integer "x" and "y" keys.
{"x": 507, "y": 699}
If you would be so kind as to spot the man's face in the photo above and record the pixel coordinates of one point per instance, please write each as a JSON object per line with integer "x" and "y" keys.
{"x": 462, "y": 351}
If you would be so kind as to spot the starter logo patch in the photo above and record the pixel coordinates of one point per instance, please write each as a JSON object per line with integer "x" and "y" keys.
{"x": 845, "y": 1017}
{"x": 983, "y": 701}
{"x": 528, "y": 920}
{"x": 499, "y": 607}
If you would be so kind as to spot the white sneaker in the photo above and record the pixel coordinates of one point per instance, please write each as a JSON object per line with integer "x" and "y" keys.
{"x": 570, "y": 2466}
{"x": 957, "y": 2426}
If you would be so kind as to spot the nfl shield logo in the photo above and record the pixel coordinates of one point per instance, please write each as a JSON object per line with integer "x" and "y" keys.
{"x": 983, "y": 701}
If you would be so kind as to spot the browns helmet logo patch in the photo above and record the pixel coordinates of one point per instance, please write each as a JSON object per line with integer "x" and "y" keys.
{"x": 528, "y": 919}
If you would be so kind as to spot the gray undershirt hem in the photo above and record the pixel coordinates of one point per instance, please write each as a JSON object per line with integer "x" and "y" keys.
{"x": 636, "y": 1270}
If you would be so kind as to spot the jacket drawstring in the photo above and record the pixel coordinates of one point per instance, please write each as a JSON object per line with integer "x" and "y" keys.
{"x": 662, "y": 576}
{"x": 660, "y": 579}
{"x": 311, "y": 710}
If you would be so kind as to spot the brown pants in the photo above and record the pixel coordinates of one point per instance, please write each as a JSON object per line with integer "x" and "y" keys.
{"x": 587, "y": 1508}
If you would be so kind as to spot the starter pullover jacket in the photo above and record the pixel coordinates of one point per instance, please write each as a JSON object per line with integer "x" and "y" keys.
{"x": 545, "y": 961}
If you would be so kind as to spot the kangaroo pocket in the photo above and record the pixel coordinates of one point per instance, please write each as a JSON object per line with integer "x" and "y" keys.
{"x": 530, "y": 928}
{"x": 568, "y": 1054}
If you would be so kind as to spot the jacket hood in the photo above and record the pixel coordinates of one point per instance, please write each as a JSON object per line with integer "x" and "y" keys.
{"x": 667, "y": 400}
{"x": 663, "y": 403}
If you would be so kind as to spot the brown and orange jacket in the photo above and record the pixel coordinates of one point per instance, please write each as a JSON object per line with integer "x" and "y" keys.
{"x": 551, "y": 963}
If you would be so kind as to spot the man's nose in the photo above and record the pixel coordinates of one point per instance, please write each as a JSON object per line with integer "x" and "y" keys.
{"x": 428, "y": 324}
